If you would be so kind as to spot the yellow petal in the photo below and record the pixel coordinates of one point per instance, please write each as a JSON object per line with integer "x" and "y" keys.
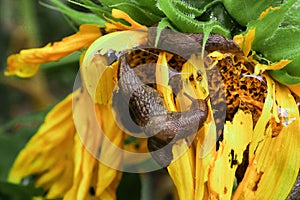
{"x": 182, "y": 171}
{"x": 239, "y": 39}
{"x": 295, "y": 89}
{"x": 189, "y": 172}
{"x": 205, "y": 155}
{"x": 26, "y": 63}
{"x": 274, "y": 158}
{"x": 92, "y": 122}
{"x": 237, "y": 135}
{"x": 110, "y": 156}
{"x": 266, "y": 11}
{"x": 107, "y": 84}
{"x": 259, "y": 68}
{"x": 118, "y": 26}
{"x": 248, "y": 39}
{"x": 17, "y": 66}
{"x": 46, "y": 152}
{"x": 83, "y": 173}
{"x": 95, "y": 69}
{"x": 162, "y": 80}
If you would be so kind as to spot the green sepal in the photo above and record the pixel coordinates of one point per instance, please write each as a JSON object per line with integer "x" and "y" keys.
{"x": 164, "y": 23}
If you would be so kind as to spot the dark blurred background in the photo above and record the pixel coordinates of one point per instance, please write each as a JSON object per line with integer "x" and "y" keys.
{"x": 28, "y": 24}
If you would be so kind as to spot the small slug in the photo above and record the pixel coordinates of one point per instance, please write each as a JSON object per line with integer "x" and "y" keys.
{"x": 148, "y": 110}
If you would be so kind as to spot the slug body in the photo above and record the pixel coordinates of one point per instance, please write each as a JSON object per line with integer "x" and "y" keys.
{"x": 148, "y": 111}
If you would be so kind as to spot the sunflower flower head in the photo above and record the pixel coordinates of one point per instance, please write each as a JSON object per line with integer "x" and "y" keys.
{"x": 222, "y": 118}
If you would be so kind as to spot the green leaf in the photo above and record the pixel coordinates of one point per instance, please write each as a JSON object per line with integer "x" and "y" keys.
{"x": 270, "y": 23}
{"x": 187, "y": 8}
{"x": 200, "y": 4}
{"x": 284, "y": 44}
{"x": 185, "y": 22}
{"x": 277, "y": 37}
{"x": 18, "y": 192}
{"x": 284, "y": 77}
{"x": 13, "y": 137}
{"x": 292, "y": 17}
{"x": 144, "y": 12}
{"x": 77, "y": 16}
{"x": 247, "y": 10}
{"x": 129, "y": 187}
{"x": 219, "y": 13}
{"x": 95, "y": 8}
{"x": 150, "y": 5}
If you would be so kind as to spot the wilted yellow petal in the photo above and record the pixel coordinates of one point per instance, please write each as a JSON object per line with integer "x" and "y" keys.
{"x": 217, "y": 55}
{"x": 107, "y": 84}
{"x": 92, "y": 122}
{"x": 118, "y": 26}
{"x": 182, "y": 171}
{"x": 274, "y": 153}
{"x": 162, "y": 80}
{"x": 17, "y": 66}
{"x": 266, "y": 11}
{"x": 189, "y": 172}
{"x": 245, "y": 41}
{"x": 109, "y": 154}
{"x": 26, "y": 63}
{"x": 48, "y": 150}
{"x": 259, "y": 68}
{"x": 295, "y": 89}
{"x": 237, "y": 135}
{"x": 205, "y": 155}
{"x": 248, "y": 39}
{"x": 110, "y": 192}
{"x": 85, "y": 165}
{"x": 239, "y": 39}
{"x": 94, "y": 64}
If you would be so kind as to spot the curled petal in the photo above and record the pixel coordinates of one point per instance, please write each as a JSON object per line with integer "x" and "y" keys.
{"x": 114, "y": 25}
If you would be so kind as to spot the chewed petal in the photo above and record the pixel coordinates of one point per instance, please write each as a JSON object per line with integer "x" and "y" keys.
{"x": 274, "y": 66}
{"x": 26, "y": 63}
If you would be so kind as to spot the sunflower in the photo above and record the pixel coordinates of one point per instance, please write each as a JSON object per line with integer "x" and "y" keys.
{"x": 220, "y": 114}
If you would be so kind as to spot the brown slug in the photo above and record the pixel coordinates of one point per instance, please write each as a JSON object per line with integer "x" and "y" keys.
{"x": 147, "y": 108}
{"x": 145, "y": 104}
